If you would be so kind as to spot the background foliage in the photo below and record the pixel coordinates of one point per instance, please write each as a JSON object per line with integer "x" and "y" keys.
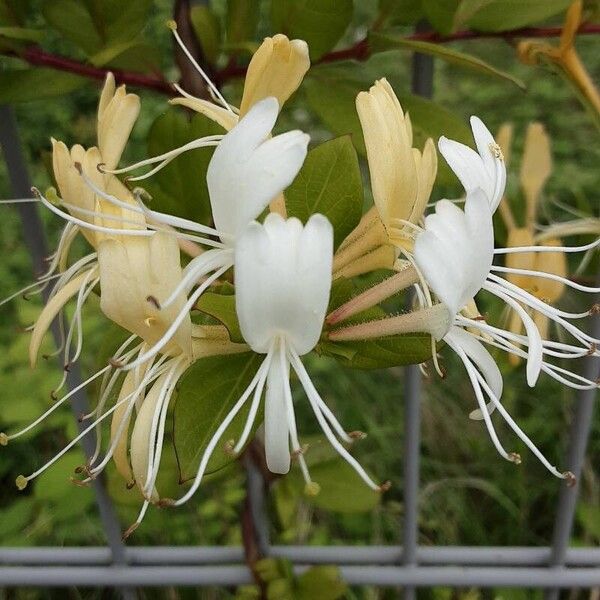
{"x": 468, "y": 494}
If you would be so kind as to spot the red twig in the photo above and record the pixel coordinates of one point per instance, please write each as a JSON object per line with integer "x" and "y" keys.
{"x": 38, "y": 57}
{"x": 359, "y": 51}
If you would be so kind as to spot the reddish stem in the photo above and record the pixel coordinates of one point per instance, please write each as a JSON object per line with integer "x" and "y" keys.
{"x": 359, "y": 51}
{"x": 38, "y": 57}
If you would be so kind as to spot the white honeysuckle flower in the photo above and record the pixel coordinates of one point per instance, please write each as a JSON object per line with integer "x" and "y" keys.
{"x": 454, "y": 255}
{"x": 484, "y": 169}
{"x": 247, "y": 170}
{"x": 282, "y": 281}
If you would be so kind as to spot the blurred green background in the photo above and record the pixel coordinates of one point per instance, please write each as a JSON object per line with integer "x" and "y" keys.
{"x": 468, "y": 495}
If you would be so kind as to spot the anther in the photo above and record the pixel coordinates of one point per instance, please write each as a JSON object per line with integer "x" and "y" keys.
{"x": 154, "y": 301}
{"x": 100, "y": 167}
{"x": 299, "y": 452}
{"x": 312, "y": 488}
{"x": 592, "y": 350}
{"x": 45, "y": 356}
{"x": 357, "y": 435}
{"x": 81, "y": 418}
{"x": 595, "y": 309}
{"x": 172, "y": 25}
{"x": 165, "y": 503}
{"x": 514, "y": 457}
{"x": 130, "y": 484}
{"x": 496, "y": 151}
{"x": 130, "y": 530}
{"x": 67, "y": 367}
{"x": 79, "y": 483}
{"x": 117, "y": 364}
{"x": 21, "y": 482}
{"x": 228, "y": 447}
{"x": 78, "y": 166}
{"x": 570, "y": 478}
{"x": 385, "y": 486}
{"x": 3, "y": 439}
{"x": 53, "y": 395}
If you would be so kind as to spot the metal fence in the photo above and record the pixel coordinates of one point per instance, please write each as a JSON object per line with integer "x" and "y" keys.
{"x": 408, "y": 567}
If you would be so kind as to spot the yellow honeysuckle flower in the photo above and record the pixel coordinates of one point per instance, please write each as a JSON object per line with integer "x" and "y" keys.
{"x": 276, "y": 70}
{"x": 565, "y": 57}
{"x": 402, "y": 178}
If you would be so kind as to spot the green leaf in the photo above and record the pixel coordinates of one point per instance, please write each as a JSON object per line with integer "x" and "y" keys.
{"x": 73, "y": 21}
{"x": 440, "y": 14}
{"x": 400, "y": 12}
{"x": 13, "y": 12}
{"x": 329, "y": 183}
{"x": 321, "y": 23}
{"x": 208, "y": 31}
{"x": 36, "y": 84}
{"x": 180, "y": 188}
{"x": 206, "y": 394}
{"x": 386, "y": 41}
{"x": 504, "y": 15}
{"x": 379, "y": 353}
{"x": 242, "y": 20}
{"x": 322, "y": 582}
{"x": 21, "y": 33}
{"x": 97, "y": 25}
{"x": 342, "y": 490}
{"x": 222, "y": 307}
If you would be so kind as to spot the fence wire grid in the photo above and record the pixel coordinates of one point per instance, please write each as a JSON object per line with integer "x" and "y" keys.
{"x": 405, "y": 567}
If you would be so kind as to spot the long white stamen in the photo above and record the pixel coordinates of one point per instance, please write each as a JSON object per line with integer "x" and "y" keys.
{"x": 198, "y": 143}
{"x": 19, "y": 201}
{"x": 159, "y": 420}
{"x": 151, "y": 375}
{"x": 519, "y": 249}
{"x": 255, "y": 403}
{"x": 91, "y": 226}
{"x": 206, "y": 78}
{"x": 42, "y": 283}
{"x": 472, "y": 373}
{"x": 141, "y": 208}
{"x": 291, "y": 417}
{"x": 310, "y": 390}
{"x": 505, "y": 292}
{"x": 197, "y": 268}
{"x": 520, "y": 433}
{"x": 219, "y": 433}
{"x": 544, "y": 275}
{"x": 177, "y": 321}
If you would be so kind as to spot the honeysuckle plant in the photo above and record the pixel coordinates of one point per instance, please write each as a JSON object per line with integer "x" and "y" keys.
{"x": 221, "y": 313}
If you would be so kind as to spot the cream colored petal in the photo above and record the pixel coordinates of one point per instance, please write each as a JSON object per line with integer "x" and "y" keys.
{"x": 135, "y": 269}
{"x": 71, "y": 186}
{"x": 389, "y": 152}
{"x": 140, "y": 436}
{"x": 276, "y": 69}
{"x": 426, "y": 168}
{"x": 116, "y": 118}
{"x": 218, "y": 114}
{"x": 120, "y": 454}
{"x": 121, "y": 217}
{"x": 555, "y": 263}
{"x": 108, "y": 91}
{"x": 51, "y": 310}
{"x": 536, "y": 167}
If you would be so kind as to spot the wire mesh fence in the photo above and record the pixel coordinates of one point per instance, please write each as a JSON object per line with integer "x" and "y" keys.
{"x": 407, "y": 567}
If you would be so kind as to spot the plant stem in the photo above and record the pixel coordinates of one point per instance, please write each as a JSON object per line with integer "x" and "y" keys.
{"x": 35, "y": 56}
